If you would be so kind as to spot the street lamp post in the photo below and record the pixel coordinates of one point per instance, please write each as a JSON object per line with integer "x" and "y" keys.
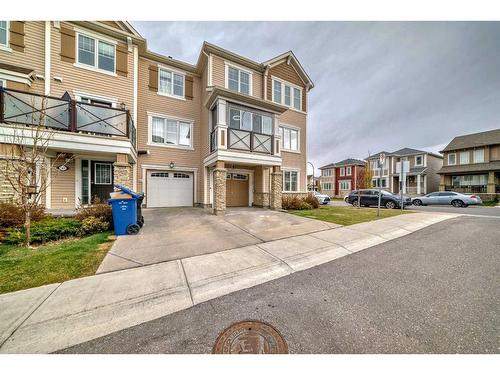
{"x": 314, "y": 186}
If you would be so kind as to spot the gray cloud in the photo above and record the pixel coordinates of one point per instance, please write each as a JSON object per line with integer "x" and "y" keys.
{"x": 379, "y": 85}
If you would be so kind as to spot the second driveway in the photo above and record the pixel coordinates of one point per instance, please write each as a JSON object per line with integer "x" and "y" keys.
{"x": 176, "y": 233}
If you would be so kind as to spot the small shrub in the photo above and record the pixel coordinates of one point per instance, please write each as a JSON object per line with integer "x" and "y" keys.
{"x": 291, "y": 202}
{"x": 49, "y": 229}
{"x": 92, "y": 225}
{"x": 97, "y": 210}
{"x": 12, "y": 215}
{"x": 305, "y": 206}
{"x": 312, "y": 201}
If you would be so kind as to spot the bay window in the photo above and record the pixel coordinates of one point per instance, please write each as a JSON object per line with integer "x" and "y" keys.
{"x": 286, "y": 94}
{"x": 250, "y": 121}
{"x": 170, "y": 132}
{"x": 96, "y": 53}
{"x": 289, "y": 139}
{"x": 238, "y": 80}
{"x": 4, "y": 33}
{"x": 171, "y": 83}
{"x": 290, "y": 181}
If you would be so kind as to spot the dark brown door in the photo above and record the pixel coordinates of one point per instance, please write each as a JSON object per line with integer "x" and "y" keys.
{"x": 101, "y": 180}
{"x": 237, "y": 190}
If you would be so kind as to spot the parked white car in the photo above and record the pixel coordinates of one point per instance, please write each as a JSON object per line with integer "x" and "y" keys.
{"x": 446, "y": 198}
{"x": 323, "y": 198}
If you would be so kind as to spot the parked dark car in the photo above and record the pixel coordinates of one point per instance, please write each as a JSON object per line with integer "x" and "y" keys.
{"x": 369, "y": 197}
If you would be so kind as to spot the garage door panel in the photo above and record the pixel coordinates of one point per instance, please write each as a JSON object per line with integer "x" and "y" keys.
{"x": 170, "y": 189}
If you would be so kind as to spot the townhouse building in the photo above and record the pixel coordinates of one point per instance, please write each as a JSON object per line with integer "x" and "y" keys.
{"x": 472, "y": 164}
{"x": 339, "y": 179}
{"x": 421, "y": 179}
{"x": 226, "y": 131}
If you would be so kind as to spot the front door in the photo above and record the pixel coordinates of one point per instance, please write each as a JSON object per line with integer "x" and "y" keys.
{"x": 101, "y": 180}
{"x": 236, "y": 190}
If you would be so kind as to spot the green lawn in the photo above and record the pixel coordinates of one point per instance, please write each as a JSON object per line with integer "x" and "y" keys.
{"x": 346, "y": 215}
{"x": 490, "y": 203}
{"x": 22, "y": 268}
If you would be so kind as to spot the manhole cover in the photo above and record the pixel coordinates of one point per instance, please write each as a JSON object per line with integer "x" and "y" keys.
{"x": 250, "y": 337}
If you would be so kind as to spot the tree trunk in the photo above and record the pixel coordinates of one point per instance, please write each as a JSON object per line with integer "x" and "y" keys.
{"x": 27, "y": 228}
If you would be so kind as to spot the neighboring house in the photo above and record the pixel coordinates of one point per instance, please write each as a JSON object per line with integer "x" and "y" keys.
{"x": 313, "y": 183}
{"x": 227, "y": 131}
{"x": 472, "y": 164}
{"x": 421, "y": 179}
{"x": 339, "y": 179}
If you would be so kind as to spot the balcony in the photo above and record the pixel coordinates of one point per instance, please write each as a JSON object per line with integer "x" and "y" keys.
{"x": 244, "y": 140}
{"x": 468, "y": 189}
{"x": 23, "y": 108}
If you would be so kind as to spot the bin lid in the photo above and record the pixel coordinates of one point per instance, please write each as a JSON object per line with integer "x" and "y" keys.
{"x": 127, "y": 191}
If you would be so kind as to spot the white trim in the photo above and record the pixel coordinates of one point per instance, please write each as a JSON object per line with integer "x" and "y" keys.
{"x": 172, "y": 72}
{"x": 47, "y": 51}
{"x": 166, "y": 117}
{"x": 455, "y": 154}
{"x": 415, "y": 159}
{"x": 210, "y": 67}
{"x": 290, "y": 169}
{"x": 81, "y": 94}
{"x": 48, "y": 184}
{"x": 136, "y": 83}
{"x": 15, "y": 77}
{"x": 292, "y": 93}
{"x": 348, "y": 170}
{"x": 240, "y": 69}
{"x": 241, "y": 157}
{"x": 90, "y": 67}
{"x": 96, "y": 39}
{"x": 111, "y": 173}
{"x": 7, "y": 40}
{"x": 290, "y": 127}
{"x": 146, "y": 167}
{"x": 347, "y": 181}
{"x": 94, "y": 35}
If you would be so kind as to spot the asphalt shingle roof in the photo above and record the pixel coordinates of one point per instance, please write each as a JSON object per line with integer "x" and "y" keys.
{"x": 490, "y": 137}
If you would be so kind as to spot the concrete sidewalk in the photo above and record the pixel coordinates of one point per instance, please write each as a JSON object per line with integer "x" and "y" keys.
{"x": 53, "y": 317}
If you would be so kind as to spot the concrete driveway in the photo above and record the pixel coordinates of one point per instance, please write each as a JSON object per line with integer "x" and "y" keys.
{"x": 175, "y": 233}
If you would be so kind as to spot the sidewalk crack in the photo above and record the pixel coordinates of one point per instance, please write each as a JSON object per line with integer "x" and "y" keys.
{"x": 187, "y": 282}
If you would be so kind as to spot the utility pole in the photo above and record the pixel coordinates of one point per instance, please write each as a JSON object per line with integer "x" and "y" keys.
{"x": 314, "y": 185}
{"x": 381, "y": 161}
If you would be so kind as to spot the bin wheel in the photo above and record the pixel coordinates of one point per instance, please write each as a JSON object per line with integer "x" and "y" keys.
{"x": 133, "y": 229}
{"x": 140, "y": 223}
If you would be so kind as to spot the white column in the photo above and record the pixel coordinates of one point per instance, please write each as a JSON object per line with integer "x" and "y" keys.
{"x": 47, "y": 57}
{"x": 418, "y": 184}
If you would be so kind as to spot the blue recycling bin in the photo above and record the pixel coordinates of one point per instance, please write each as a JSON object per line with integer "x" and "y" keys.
{"x": 126, "y": 219}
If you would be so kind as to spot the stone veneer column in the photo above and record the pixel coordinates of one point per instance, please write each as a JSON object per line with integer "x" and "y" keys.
{"x": 219, "y": 188}
{"x": 122, "y": 171}
{"x": 276, "y": 188}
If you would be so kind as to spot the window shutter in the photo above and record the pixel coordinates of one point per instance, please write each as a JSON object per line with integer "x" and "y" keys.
{"x": 121, "y": 60}
{"x": 16, "y": 36}
{"x": 189, "y": 88}
{"x": 67, "y": 44}
{"x": 153, "y": 78}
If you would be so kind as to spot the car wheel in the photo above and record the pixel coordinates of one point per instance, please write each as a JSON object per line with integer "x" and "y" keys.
{"x": 390, "y": 205}
{"x": 417, "y": 202}
{"x": 355, "y": 203}
{"x": 457, "y": 203}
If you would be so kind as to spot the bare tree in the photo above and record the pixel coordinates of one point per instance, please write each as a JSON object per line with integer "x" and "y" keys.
{"x": 360, "y": 182}
{"x": 27, "y": 167}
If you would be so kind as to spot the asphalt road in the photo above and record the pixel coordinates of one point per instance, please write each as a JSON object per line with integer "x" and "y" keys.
{"x": 433, "y": 291}
{"x": 471, "y": 210}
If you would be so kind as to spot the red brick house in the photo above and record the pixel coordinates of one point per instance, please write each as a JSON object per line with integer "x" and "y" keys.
{"x": 339, "y": 179}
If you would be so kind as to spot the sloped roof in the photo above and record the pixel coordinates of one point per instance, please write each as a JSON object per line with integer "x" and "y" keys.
{"x": 407, "y": 151}
{"x": 486, "y": 138}
{"x": 349, "y": 161}
{"x": 375, "y": 156}
{"x": 290, "y": 58}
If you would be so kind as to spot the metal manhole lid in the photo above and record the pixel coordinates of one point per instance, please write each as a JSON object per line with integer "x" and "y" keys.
{"x": 250, "y": 337}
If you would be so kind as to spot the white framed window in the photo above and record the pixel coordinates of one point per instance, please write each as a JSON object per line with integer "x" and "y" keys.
{"x": 419, "y": 160}
{"x": 464, "y": 157}
{"x": 290, "y": 181}
{"x": 479, "y": 155}
{"x": 452, "y": 159}
{"x": 348, "y": 171}
{"x": 345, "y": 185}
{"x": 287, "y": 94}
{"x": 102, "y": 174}
{"x": 250, "y": 121}
{"x": 96, "y": 53}
{"x": 289, "y": 138}
{"x": 4, "y": 33}
{"x": 171, "y": 83}
{"x": 379, "y": 182}
{"x": 327, "y": 186}
{"x": 238, "y": 79}
{"x": 326, "y": 172}
{"x": 171, "y": 132}
{"x": 342, "y": 171}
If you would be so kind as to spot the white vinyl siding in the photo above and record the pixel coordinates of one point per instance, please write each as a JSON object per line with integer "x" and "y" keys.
{"x": 170, "y": 132}
{"x": 4, "y": 33}
{"x": 287, "y": 94}
{"x": 171, "y": 83}
{"x": 289, "y": 139}
{"x": 238, "y": 80}
{"x": 479, "y": 155}
{"x": 96, "y": 53}
{"x": 290, "y": 181}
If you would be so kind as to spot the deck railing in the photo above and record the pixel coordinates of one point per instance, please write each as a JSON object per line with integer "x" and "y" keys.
{"x": 24, "y": 108}
{"x": 250, "y": 141}
{"x": 469, "y": 189}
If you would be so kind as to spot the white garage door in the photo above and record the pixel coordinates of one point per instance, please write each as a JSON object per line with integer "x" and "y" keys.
{"x": 169, "y": 189}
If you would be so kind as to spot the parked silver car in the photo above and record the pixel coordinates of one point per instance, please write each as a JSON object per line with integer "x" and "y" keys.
{"x": 323, "y": 198}
{"x": 446, "y": 198}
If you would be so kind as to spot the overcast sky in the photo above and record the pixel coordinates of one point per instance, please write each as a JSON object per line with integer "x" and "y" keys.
{"x": 378, "y": 85}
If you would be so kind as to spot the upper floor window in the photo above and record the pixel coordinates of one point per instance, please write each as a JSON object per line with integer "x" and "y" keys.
{"x": 326, "y": 172}
{"x": 452, "y": 159}
{"x": 171, "y": 132}
{"x": 96, "y": 53}
{"x": 464, "y": 157}
{"x": 287, "y": 94}
{"x": 347, "y": 171}
{"x": 342, "y": 171}
{"x": 238, "y": 80}
{"x": 171, "y": 83}
{"x": 419, "y": 160}
{"x": 479, "y": 155}
{"x": 289, "y": 139}
{"x": 4, "y": 33}
{"x": 250, "y": 121}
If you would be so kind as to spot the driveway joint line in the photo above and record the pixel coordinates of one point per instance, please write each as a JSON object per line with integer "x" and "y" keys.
{"x": 187, "y": 282}
{"x": 244, "y": 230}
{"x": 275, "y": 257}
{"x": 130, "y": 260}
{"x": 29, "y": 316}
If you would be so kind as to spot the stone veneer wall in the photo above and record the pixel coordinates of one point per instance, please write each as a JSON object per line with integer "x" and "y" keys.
{"x": 276, "y": 190}
{"x": 123, "y": 174}
{"x": 261, "y": 199}
{"x": 219, "y": 191}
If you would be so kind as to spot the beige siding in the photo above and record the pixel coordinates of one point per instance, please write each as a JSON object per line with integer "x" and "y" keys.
{"x": 88, "y": 81}
{"x": 434, "y": 164}
{"x": 151, "y": 101}
{"x": 494, "y": 152}
{"x": 63, "y": 188}
{"x": 287, "y": 73}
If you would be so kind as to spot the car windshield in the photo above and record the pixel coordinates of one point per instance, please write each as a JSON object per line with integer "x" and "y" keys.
{"x": 386, "y": 192}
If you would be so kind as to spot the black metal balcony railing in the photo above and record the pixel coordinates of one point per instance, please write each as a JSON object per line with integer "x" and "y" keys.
{"x": 250, "y": 141}
{"x": 23, "y": 108}
{"x": 469, "y": 189}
